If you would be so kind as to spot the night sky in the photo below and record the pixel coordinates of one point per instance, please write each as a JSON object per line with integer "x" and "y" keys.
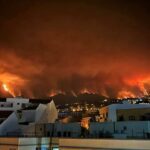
{"x": 73, "y": 46}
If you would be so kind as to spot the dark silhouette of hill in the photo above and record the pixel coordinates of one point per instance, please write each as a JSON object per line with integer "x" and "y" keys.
{"x": 81, "y": 98}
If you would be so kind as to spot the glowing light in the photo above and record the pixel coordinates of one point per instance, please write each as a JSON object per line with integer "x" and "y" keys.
{"x": 73, "y": 93}
{"x": 141, "y": 82}
{"x": 104, "y": 93}
{"x": 125, "y": 94}
{"x": 55, "y": 92}
{"x": 85, "y": 90}
{"x": 7, "y": 89}
{"x": 85, "y": 122}
{"x": 142, "y": 88}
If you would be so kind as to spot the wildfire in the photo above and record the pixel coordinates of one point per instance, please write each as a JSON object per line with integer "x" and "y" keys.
{"x": 55, "y": 92}
{"x": 104, "y": 93}
{"x": 140, "y": 83}
{"x": 143, "y": 89}
{"x": 85, "y": 90}
{"x": 7, "y": 89}
{"x": 126, "y": 94}
{"x": 11, "y": 84}
{"x": 73, "y": 93}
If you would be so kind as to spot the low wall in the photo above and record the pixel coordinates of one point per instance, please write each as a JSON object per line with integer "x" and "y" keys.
{"x": 27, "y": 143}
{"x": 109, "y": 144}
{"x": 73, "y": 144}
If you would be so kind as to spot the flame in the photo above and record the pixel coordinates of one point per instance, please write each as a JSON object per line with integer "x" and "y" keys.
{"x": 143, "y": 89}
{"x": 85, "y": 90}
{"x": 55, "y": 92}
{"x": 73, "y": 93}
{"x": 104, "y": 93}
{"x": 126, "y": 94}
{"x": 11, "y": 83}
{"x": 7, "y": 89}
{"x": 85, "y": 122}
{"x": 140, "y": 83}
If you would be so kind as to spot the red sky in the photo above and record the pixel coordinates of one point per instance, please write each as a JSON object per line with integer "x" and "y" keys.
{"x": 60, "y": 45}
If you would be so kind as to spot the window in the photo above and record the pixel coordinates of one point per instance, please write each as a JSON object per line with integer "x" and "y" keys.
{"x": 121, "y": 118}
{"x": 55, "y": 148}
{"x": 42, "y": 148}
{"x": 59, "y": 134}
{"x": 48, "y": 133}
{"x": 124, "y": 128}
{"x": 69, "y": 134}
{"x": 64, "y": 134}
{"x": 18, "y": 103}
{"x": 143, "y": 118}
{"x": 23, "y": 105}
{"x": 107, "y": 114}
{"x": 131, "y": 117}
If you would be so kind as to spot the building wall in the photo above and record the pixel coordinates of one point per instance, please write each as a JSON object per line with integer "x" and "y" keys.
{"x": 97, "y": 129}
{"x": 27, "y": 143}
{"x": 26, "y": 116}
{"x": 18, "y": 102}
{"x": 103, "y": 114}
{"x": 126, "y": 129}
{"x": 89, "y": 144}
{"x": 72, "y": 144}
{"x": 134, "y": 114}
{"x": 134, "y": 129}
{"x": 109, "y": 113}
{"x": 9, "y": 143}
{"x": 64, "y": 130}
{"x": 131, "y": 129}
{"x": 10, "y": 126}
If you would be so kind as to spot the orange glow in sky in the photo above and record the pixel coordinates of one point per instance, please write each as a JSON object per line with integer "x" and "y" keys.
{"x": 74, "y": 47}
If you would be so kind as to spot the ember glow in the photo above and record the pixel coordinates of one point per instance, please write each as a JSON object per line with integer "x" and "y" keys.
{"x": 51, "y": 47}
{"x": 55, "y": 92}
{"x": 7, "y": 89}
{"x": 126, "y": 94}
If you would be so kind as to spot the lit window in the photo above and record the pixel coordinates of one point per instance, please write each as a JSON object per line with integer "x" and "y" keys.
{"x": 55, "y": 148}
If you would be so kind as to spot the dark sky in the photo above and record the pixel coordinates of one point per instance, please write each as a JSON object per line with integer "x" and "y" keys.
{"x": 100, "y": 46}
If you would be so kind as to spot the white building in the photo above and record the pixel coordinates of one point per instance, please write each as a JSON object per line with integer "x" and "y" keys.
{"x": 58, "y": 129}
{"x": 23, "y": 121}
{"x": 123, "y": 129}
{"x": 109, "y": 113}
{"x": 12, "y": 104}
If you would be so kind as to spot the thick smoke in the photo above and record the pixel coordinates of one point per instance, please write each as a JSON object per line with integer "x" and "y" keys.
{"x": 93, "y": 46}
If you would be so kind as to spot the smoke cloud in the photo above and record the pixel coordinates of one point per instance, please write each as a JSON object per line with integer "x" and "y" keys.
{"x": 75, "y": 46}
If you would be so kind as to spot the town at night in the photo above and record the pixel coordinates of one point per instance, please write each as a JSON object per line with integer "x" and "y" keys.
{"x": 74, "y": 75}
